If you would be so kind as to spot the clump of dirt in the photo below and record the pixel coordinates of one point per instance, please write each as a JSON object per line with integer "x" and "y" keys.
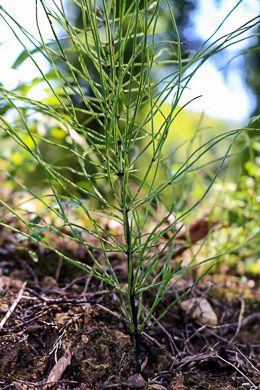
{"x": 101, "y": 352}
{"x": 29, "y": 350}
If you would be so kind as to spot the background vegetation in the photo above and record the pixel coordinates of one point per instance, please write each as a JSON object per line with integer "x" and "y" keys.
{"x": 233, "y": 202}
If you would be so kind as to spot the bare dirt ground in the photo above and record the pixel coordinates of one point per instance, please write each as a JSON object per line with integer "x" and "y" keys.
{"x": 61, "y": 329}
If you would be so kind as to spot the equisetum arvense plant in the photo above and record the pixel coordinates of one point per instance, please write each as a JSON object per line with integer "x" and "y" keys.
{"x": 105, "y": 90}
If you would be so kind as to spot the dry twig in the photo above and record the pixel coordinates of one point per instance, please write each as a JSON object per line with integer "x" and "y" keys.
{"x": 237, "y": 369}
{"x": 14, "y": 304}
{"x": 240, "y": 319}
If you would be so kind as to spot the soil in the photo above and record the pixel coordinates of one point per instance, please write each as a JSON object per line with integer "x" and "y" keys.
{"x": 66, "y": 330}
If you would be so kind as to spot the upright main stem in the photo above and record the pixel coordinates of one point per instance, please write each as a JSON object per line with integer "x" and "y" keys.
{"x": 132, "y": 295}
{"x": 125, "y": 211}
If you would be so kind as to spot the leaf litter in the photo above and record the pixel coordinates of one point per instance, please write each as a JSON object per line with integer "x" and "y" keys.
{"x": 65, "y": 330}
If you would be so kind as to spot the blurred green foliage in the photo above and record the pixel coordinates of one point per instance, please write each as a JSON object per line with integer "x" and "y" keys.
{"x": 234, "y": 202}
{"x": 237, "y": 206}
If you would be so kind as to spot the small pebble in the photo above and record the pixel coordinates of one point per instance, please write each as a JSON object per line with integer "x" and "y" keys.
{"x": 136, "y": 380}
{"x": 49, "y": 281}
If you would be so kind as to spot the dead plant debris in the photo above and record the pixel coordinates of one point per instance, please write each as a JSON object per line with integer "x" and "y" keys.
{"x": 70, "y": 333}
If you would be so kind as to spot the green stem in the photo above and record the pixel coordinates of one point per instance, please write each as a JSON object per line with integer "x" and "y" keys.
{"x": 132, "y": 295}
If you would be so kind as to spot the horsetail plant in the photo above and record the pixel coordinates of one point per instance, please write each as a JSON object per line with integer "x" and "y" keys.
{"x": 104, "y": 97}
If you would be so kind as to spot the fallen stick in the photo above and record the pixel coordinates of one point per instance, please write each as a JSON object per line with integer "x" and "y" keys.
{"x": 58, "y": 370}
{"x": 12, "y": 308}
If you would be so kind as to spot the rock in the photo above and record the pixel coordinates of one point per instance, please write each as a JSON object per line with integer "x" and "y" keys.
{"x": 200, "y": 310}
{"x": 136, "y": 381}
{"x": 49, "y": 281}
{"x": 16, "y": 283}
{"x": 5, "y": 282}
